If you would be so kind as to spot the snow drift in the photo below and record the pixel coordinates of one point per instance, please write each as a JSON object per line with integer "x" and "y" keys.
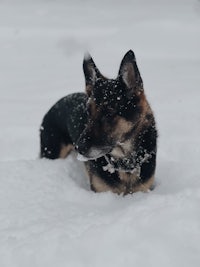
{"x": 48, "y": 215}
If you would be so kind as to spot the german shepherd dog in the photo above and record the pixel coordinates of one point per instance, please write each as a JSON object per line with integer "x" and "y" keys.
{"x": 111, "y": 126}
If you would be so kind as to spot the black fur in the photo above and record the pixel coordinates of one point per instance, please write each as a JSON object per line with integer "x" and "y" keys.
{"x": 63, "y": 124}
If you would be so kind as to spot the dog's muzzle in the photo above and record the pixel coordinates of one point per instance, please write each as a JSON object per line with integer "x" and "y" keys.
{"x": 93, "y": 153}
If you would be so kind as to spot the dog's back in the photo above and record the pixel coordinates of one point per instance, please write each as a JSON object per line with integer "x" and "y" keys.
{"x": 62, "y": 126}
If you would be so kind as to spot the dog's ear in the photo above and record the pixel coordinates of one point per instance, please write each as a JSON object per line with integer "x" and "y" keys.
{"x": 129, "y": 72}
{"x": 91, "y": 73}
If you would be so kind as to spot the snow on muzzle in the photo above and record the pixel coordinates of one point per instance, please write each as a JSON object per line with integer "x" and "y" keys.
{"x": 93, "y": 153}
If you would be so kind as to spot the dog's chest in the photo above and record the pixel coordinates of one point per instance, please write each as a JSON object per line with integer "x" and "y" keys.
{"x": 123, "y": 157}
{"x": 122, "y": 149}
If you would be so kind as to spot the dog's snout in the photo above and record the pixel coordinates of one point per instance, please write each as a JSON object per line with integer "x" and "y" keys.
{"x": 83, "y": 145}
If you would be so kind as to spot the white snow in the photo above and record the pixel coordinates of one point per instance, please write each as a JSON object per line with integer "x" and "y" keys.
{"x": 48, "y": 214}
{"x": 81, "y": 157}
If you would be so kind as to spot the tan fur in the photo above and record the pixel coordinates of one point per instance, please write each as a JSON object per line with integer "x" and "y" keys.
{"x": 128, "y": 75}
{"x": 122, "y": 127}
{"x": 100, "y": 186}
{"x": 145, "y": 108}
{"x": 125, "y": 187}
{"x": 131, "y": 182}
{"x": 145, "y": 111}
{"x": 88, "y": 89}
{"x": 122, "y": 149}
{"x": 145, "y": 187}
{"x": 127, "y": 177}
{"x": 65, "y": 150}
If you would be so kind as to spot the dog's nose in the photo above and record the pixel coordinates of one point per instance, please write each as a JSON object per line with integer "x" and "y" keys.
{"x": 83, "y": 145}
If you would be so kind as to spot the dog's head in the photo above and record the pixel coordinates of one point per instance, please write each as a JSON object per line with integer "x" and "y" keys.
{"x": 114, "y": 107}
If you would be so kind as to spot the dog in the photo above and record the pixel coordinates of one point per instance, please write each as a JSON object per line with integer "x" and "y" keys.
{"x": 111, "y": 126}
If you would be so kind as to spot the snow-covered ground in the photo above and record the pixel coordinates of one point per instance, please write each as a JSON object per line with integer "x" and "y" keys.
{"x": 48, "y": 215}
